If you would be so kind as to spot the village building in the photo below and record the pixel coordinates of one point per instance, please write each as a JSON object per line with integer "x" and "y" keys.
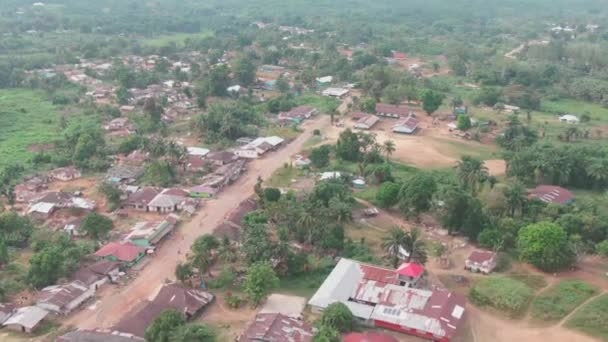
{"x": 106, "y": 268}
{"x": 65, "y": 174}
{"x": 44, "y": 206}
{"x": 407, "y": 125}
{"x": 335, "y": 92}
{"x": 117, "y": 124}
{"x": 569, "y": 119}
{"x": 97, "y": 336}
{"x": 197, "y": 151}
{"x": 203, "y": 191}
{"x": 330, "y": 175}
{"x": 188, "y": 302}
{"x": 258, "y": 147}
{"x": 274, "y": 327}
{"x": 26, "y": 319}
{"x": 232, "y": 227}
{"x": 30, "y": 188}
{"x": 126, "y": 253}
{"x": 168, "y": 201}
{"x": 324, "y": 81}
{"x": 126, "y": 174}
{"x": 197, "y": 164}
{"x": 222, "y": 157}
{"x": 551, "y": 194}
{"x": 63, "y": 299}
{"x": 6, "y": 311}
{"x": 149, "y": 233}
{"x": 481, "y": 261}
{"x": 380, "y": 297}
{"x": 140, "y": 199}
{"x": 301, "y": 162}
{"x": 72, "y": 227}
{"x": 366, "y": 121}
{"x": 297, "y": 114}
{"x": 136, "y": 158}
{"x": 392, "y": 111}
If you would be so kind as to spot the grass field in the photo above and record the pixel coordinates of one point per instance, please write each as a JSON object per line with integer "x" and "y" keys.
{"x": 592, "y": 318}
{"x": 534, "y": 281}
{"x": 322, "y": 103}
{"x": 178, "y": 38}
{"x": 26, "y": 118}
{"x": 283, "y": 177}
{"x": 559, "y": 300}
{"x": 575, "y": 107}
{"x": 506, "y": 295}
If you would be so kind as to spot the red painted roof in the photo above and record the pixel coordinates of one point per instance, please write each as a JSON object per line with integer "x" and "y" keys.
{"x": 368, "y": 337}
{"x": 410, "y": 269}
{"x": 123, "y": 252}
{"x": 481, "y": 256}
{"x": 399, "y": 55}
{"x": 551, "y": 194}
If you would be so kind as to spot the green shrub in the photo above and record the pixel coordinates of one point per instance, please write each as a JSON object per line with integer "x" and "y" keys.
{"x": 223, "y": 280}
{"x": 233, "y": 301}
{"x": 507, "y": 295}
{"x": 561, "y": 299}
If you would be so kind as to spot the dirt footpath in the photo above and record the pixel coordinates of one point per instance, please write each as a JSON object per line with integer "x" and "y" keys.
{"x": 161, "y": 266}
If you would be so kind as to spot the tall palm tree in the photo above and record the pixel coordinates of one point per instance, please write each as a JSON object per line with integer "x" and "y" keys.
{"x": 392, "y": 244}
{"x": 414, "y": 245}
{"x": 472, "y": 173}
{"x": 598, "y": 170}
{"x": 389, "y": 148}
{"x": 307, "y": 220}
{"x": 515, "y": 197}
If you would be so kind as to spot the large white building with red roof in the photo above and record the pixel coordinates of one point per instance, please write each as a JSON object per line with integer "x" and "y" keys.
{"x": 381, "y": 297}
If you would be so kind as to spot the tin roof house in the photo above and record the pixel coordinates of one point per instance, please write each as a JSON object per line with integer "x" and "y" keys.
{"x": 379, "y": 297}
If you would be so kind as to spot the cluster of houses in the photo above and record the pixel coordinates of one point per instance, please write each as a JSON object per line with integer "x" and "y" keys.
{"x": 406, "y": 118}
{"x": 60, "y": 299}
{"x": 186, "y": 301}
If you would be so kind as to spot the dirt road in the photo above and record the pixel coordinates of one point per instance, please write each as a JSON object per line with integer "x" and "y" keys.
{"x": 513, "y": 53}
{"x": 161, "y": 266}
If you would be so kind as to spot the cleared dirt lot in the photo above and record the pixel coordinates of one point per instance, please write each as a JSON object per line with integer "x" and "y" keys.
{"x": 431, "y": 147}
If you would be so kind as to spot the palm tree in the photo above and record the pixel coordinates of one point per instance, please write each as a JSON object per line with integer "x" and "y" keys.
{"x": 307, "y": 220}
{"x": 515, "y": 197}
{"x": 472, "y": 173}
{"x": 598, "y": 170}
{"x": 415, "y": 246}
{"x": 389, "y": 148}
{"x": 392, "y": 244}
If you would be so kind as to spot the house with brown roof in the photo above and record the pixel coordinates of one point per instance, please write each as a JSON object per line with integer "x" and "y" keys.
{"x": 298, "y": 114}
{"x": 65, "y": 174}
{"x": 62, "y": 299}
{"x": 391, "y": 111}
{"x": 182, "y": 299}
{"x": 481, "y": 261}
{"x": 407, "y": 125}
{"x": 220, "y": 158}
{"x": 366, "y": 121}
{"x": 551, "y": 194}
{"x": 186, "y": 301}
{"x": 140, "y": 199}
{"x": 107, "y": 268}
{"x": 274, "y": 327}
{"x": 30, "y": 188}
